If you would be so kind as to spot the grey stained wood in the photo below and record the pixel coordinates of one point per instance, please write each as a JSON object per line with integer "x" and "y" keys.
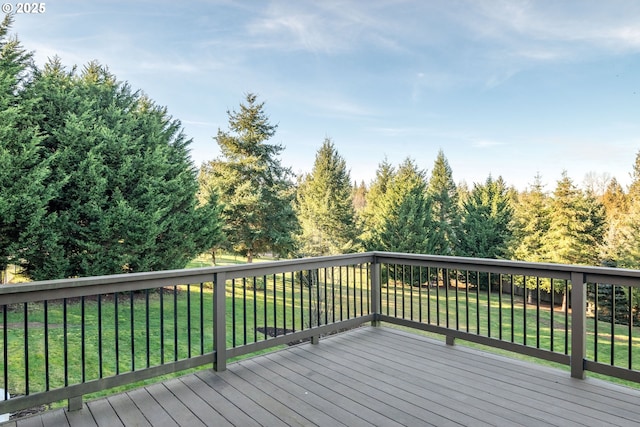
{"x": 152, "y": 412}
{"x": 368, "y": 376}
{"x": 103, "y": 413}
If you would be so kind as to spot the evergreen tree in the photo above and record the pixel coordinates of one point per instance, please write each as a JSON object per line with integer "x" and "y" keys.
{"x": 372, "y": 217}
{"x": 405, "y": 213}
{"x": 634, "y": 188}
{"x": 626, "y": 214}
{"x": 615, "y": 201}
{"x": 486, "y": 219}
{"x": 443, "y": 196}
{"x": 577, "y": 226}
{"x": 531, "y": 223}
{"x": 359, "y": 197}
{"x": 255, "y": 189}
{"x": 125, "y": 188}
{"x": 622, "y": 242}
{"x": 616, "y": 206}
{"x": 325, "y": 206}
{"x": 23, "y": 194}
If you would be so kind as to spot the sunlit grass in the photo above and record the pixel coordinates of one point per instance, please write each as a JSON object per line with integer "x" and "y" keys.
{"x": 508, "y": 318}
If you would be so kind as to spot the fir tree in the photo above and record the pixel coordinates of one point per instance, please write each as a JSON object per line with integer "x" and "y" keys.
{"x": 616, "y": 206}
{"x": 443, "y": 195}
{"x": 325, "y": 206}
{"x": 125, "y": 188}
{"x": 405, "y": 213}
{"x": 372, "y": 217}
{"x": 615, "y": 201}
{"x": 576, "y": 227}
{"x": 359, "y": 197}
{"x": 634, "y": 187}
{"x": 254, "y": 188}
{"x": 486, "y": 220}
{"x": 531, "y": 223}
{"x": 23, "y": 193}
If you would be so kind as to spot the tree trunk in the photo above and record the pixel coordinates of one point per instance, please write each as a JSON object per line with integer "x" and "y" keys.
{"x": 213, "y": 256}
{"x": 249, "y": 256}
{"x": 564, "y": 302}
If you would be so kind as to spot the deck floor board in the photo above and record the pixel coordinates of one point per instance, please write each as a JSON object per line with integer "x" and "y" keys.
{"x": 368, "y": 376}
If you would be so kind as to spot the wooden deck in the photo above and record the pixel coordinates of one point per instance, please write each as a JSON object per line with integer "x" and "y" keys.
{"x": 369, "y": 376}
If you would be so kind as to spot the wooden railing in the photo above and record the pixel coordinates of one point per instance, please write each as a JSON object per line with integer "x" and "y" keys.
{"x": 63, "y": 339}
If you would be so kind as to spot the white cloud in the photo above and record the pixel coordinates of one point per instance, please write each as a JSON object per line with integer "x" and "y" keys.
{"x": 326, "y": 27}
{"x": 486, "y": 143}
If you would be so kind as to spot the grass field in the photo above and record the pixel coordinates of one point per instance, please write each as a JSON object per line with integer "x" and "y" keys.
{"x": 102, "y": 336}
{"x": 496, "y": 315}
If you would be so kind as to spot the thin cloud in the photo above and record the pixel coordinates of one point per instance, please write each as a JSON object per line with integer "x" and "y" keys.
{"x": 486, "y": 143}
{"x": 534, "y": 29}
{"x": 324, "y": 27}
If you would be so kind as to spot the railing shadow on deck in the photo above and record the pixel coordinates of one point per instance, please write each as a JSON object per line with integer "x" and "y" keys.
{"x": 63, "y": 339}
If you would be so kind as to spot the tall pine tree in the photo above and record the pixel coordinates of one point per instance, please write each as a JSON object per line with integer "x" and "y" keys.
{"x": 576, "y": 227}
{"x": 405, "y": 213}
{"x": 325, "y": 207}
{"x": 531, "y": 223}
{"x": 443, "y": 195}
{"x": 486, "y": 220}
{"x": 371, "y": 217}
{"x": 254, "y": 188}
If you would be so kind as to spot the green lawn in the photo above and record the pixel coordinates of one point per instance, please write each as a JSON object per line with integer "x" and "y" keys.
{"x": 180, "y": 324}
{"x": 497, "y": 315}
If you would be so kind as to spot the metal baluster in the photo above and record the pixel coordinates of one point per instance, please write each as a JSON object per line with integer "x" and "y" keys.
{"x": 47, "y": 375}
{"x": 100, "y": 361}
{"x": 189, "y": 320}
{"x": 445, "y": 280}
{"x": 132, "y": 327}
{"x": 83, "y": 339}
{"x": 117, "y": 332}
{"x": 537, "y": 312}
{"x": 553, "y": 309}
{"x": 202, "y": 318}
{"x": 489, "y": 305}
{"x": 500, "y": 306}
{"x": 147, "y": 327}
{"x": 26, "y": 348}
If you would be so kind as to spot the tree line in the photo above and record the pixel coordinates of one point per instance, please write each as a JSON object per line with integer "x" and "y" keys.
{"x": 407, "y": 209}
{"x": 96, "y": 179}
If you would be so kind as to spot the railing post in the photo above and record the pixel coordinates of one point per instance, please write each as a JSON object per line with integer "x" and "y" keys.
{"x": 219, "y": 321}
{"x": 375, "y": 291}
{"x": 578, "y": 324}
{"x": 74, "y": 403}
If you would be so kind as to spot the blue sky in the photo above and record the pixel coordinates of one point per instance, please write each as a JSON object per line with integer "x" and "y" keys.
{"x": 506, "y": 88}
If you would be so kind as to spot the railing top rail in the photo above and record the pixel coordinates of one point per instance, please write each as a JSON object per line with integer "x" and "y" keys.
{"x": 135, "y": 281}
{"x": 591, "y": 274}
